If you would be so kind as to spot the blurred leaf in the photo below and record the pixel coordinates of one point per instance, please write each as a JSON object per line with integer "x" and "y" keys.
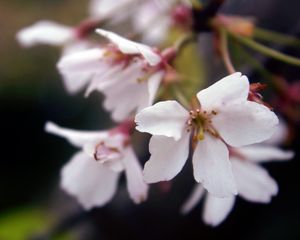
{"x": 25, "y": 223}
{"x": 189, "y": 64}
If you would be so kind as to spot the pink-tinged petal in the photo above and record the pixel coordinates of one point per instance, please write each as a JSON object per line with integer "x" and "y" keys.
{"x": 253, "y": 182}
{"x": 105, "y": 147}
{"x": 88, "y": 181}
{"x": 234, "y": 87}
{"x": 212, "y": 167}
{"x": 264, "y": 153}
{"x": 129, "y": 47}
{"x": 167, "y": 158}
{"x": 244, "y": 123}
{"x": 77, "y": 138}
{"x": 137, "y": 188}
{"x": 216, "y": 209}
{"x": 195, "y": 197}
{"x": 86, "y": 61}
{"x": 167, "y": 118}
{"x": 45, "y": 32}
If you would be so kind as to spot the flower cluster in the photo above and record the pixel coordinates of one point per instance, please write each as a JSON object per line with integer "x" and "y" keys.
{"x": 221, "y": 127}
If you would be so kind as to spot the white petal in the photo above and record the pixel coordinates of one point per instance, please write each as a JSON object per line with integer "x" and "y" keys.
{"x": 129, "y": 47}
{"x": 167, "y": 158}
{"x": 280, "y": 134}
{"x": 166, "y": 118}
{"x": 125, "y": 95}
{"x": 254, "y": 183}
{"x": 86, "y": 61}
{"x": 137, "y": 188}
{"x": 264, "y": 153}
{"x": 115, "y": 165}
{"x": 75, "y": 81}
{"x": 92, "y": 184}
{"x": 195, "y": 197}
{"x": 106, "y": 8}
{"x": 105, "y": 79}
{"x": 153, "y": 85}
{"x": 243, "y": 123}
{"x": 45, "y": 32}
{"x": 234, "y": 87}
{"x": 77, "y": 138}
{"x": 152, "y": 13}
{"x": 212, "y": 167}
{"x": 216, "y": 209}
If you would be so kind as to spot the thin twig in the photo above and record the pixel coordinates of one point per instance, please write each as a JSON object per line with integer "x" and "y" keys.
{"x": 266, "y": 50}
{"x": 225, "y": 52}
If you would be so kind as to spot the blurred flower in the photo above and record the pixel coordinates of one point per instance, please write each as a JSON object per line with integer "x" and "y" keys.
{"x": 92, "y": 174}
{"x": 253, "y": 182}
{"x": 106, "y": 9}
{"x": 126, "y": 72}
{"x": 152, "y": 19}
{"x": 224, "y": 116}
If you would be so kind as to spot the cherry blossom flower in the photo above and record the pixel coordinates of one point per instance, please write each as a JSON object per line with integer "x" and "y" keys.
{"x": 224, "y": 117}
{"x": 70, "y": 39}
{"x": 254, "y": 184}
{"x": 126, "y": 72}
{"x": 92, "y": 174}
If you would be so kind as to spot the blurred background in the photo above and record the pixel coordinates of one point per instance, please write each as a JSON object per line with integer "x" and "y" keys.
{"x": 31, "y": 92}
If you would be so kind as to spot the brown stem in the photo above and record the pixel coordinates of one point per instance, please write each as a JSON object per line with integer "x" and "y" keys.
{"x": 225, "y": 52}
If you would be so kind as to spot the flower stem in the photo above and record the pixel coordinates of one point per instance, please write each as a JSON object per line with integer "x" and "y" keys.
{"x": 267, "y": 50}
{"x": 225, "y": 51}
{"x": 275, "y": 37}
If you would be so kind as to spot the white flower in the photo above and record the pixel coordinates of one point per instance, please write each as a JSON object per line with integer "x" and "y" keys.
{"x": 253, "y": 182}
{"x": 127, "y": 73}
{"x": 45, "y": 32}
{"x": 224, "y": 116}
{"x": 92, "y": 174}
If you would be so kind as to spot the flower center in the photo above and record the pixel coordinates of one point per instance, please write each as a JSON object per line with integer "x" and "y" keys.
{"x": 200, "y": 122}
{"x": 105, "y": 153}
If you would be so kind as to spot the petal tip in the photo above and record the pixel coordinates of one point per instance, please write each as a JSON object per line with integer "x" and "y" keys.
{"x": 50, "y": 127}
